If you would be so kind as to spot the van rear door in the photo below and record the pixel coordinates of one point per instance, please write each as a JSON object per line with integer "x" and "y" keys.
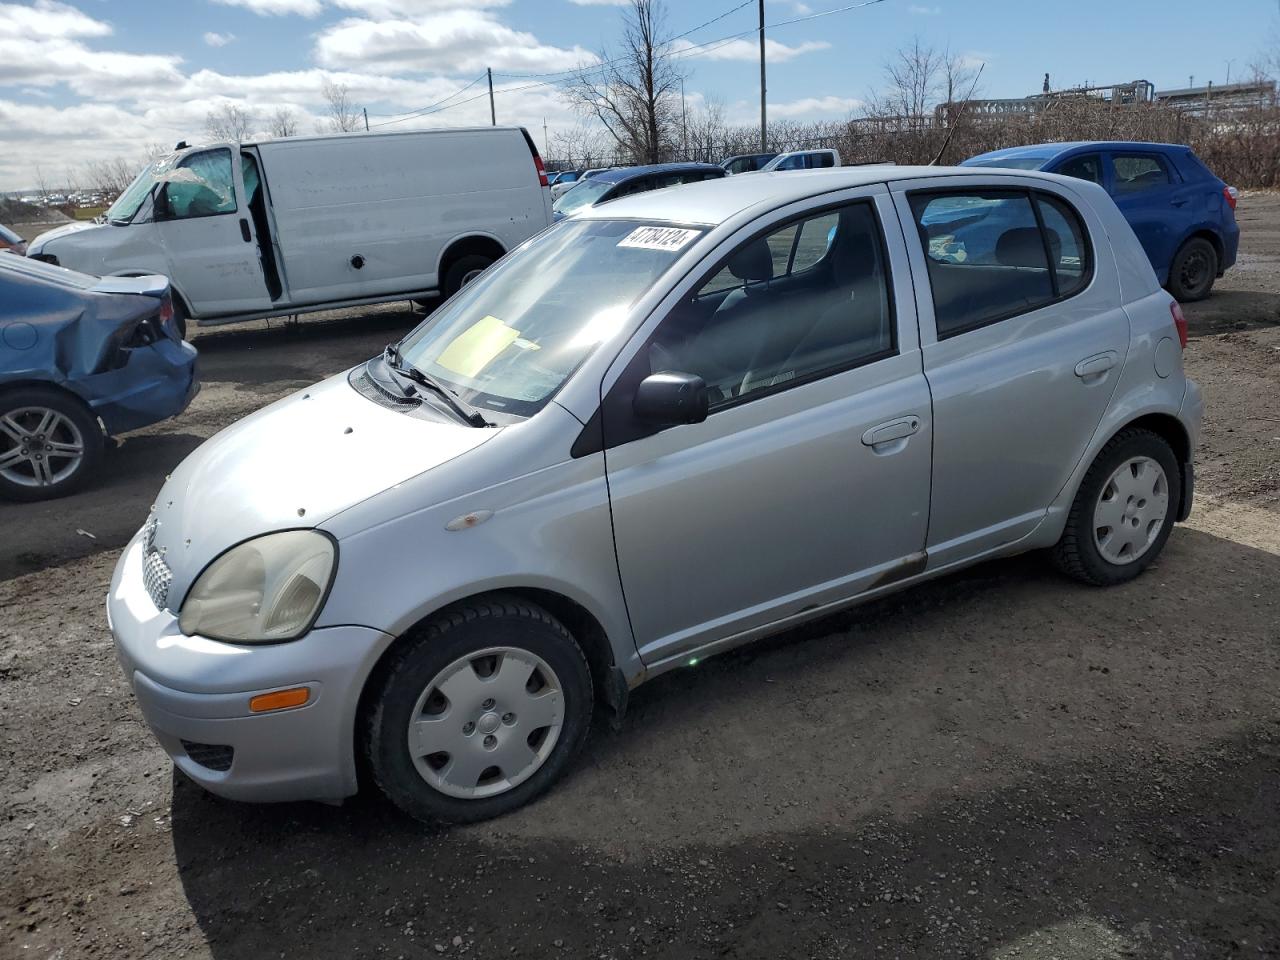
{"x": 201, "y": 217}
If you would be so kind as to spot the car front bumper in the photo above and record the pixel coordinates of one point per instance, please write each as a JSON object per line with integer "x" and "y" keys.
{"x": 195, "y": 692}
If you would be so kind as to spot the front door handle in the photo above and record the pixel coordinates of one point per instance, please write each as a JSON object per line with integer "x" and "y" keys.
{"x": 887, "y": 433}
{"x": 244, "y": 230}
{"x": 1096, "y": 365}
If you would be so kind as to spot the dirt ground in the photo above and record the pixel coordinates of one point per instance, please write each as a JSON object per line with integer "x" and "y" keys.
{"x": 1001, "y": 764}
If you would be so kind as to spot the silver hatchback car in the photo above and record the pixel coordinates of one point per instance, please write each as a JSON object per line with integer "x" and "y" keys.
{"x": 671, "y": 425}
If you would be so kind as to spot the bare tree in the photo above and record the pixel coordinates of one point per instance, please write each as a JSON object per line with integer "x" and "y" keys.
{"x": 343, "y": 115}
{"x": 913, "y": 80}
{"x": 283, "y": 123}
{"x": 581, "y": 147}
{"x": 228, "y": 122}
{"x": 110, "y": 177}
{"x": 634, "y": 94}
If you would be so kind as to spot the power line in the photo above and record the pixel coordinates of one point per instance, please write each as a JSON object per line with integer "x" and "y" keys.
{"x": 428, "y": 108}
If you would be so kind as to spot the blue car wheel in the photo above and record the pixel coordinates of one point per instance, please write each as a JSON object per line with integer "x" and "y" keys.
{"x": 49, "y": 444}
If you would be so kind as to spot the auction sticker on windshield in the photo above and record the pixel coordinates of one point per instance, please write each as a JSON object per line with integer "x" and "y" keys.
{"x": 658, "y": 238}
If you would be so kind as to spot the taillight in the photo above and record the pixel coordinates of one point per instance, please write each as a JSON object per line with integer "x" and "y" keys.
{"x": 1231, "y": 195}
{"x": 166, "y": 309}
{"x": 1180, "y": 322}
{"x": 537, "y": 160}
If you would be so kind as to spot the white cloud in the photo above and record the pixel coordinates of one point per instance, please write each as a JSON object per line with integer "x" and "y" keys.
{"x": 600, "y": 3}
{"x": 814, "y": 106}
{"x": 218, "y": 39}
{"x": 919, "y": 11}
{"x": 453, "y": 42}
{"x": 801, "y": 9}
{"x": 411, "y": 8}
{"x": 46, "y": 19}
{"x": 747, "y": 50}
{"x": 277, "y": 8}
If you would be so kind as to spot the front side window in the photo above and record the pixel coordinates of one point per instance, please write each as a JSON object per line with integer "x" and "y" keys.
{"x": 510, "y": 339}
{"x": 792, "y": 163}
{"x": 806, "y": 299}
{"x": 1136, "y": 172}
{"x": 200, "y": 186}
{"x": 988, "y": 257}
{"x": 1088, "y": 167}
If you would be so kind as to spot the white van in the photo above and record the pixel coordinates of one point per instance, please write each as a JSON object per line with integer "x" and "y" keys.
{"x": 309, "y": 223}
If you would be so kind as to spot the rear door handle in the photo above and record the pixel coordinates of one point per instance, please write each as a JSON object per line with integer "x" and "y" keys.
{"x": 1096, "y": 365}
{"x": 244, "y": 230}
{"x": 886, "y": 433}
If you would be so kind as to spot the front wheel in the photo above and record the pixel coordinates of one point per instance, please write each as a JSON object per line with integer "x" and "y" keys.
{"x": 1123, "y": 512}
{"x": 479, "y": 713}
{"x": 1194, "y": 268}
{"x": 49, "y": 444}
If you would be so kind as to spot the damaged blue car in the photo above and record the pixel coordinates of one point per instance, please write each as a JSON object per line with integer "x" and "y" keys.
{"x": 81, "y": 359}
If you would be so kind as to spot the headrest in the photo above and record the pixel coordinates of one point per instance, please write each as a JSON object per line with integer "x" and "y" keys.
{"x": 753, "y": 262}
{"x": 1022, "y": 247}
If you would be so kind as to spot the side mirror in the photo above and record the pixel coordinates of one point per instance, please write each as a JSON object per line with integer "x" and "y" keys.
{"x": 672, "y": 398}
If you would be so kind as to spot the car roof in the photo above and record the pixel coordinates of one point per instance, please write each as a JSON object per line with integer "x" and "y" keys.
{"x": 618, "y": 174}
{"x": 1051, "y": 150}
{"x": 715, "y": 201}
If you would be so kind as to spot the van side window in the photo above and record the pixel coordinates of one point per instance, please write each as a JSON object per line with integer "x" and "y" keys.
{"x": 985, "y": 255}
{"x": 1138, "y": 171}
{"x": 200, "y": 186}
{"x": 989, "y": 258}
{"x": 1088, "y": 167}
{"x": 777, "y": 328}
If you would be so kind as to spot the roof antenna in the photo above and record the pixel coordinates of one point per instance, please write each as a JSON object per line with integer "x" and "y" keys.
{"x": 959, "y": 113}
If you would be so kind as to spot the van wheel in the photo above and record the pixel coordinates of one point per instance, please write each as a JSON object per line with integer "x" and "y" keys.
{"x": 1123, "y": 511}
{"x": 1194, "y": 268}
{"x": 463, "y": 270}
{"x": 49, "y": 444}
{"x": 479, "y": 713}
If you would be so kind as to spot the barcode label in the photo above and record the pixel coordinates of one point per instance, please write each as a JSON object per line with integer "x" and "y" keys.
{"x": 658, "y": 238}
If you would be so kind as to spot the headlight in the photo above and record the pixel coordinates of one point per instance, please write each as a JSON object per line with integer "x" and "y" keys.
{"x": 266, "y": 589}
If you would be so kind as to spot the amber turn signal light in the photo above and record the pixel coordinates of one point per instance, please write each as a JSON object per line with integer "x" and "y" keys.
{"x": 280, "y": 700}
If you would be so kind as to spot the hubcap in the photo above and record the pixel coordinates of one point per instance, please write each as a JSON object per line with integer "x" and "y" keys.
{"x": 1131, "y": 511}
{"x": 486, "y": 723}
{"x": 471, "y": 275}
{"x": 39, "y": 447}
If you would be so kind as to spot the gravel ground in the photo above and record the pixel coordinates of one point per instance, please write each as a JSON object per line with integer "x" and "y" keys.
{"x": 1000, "y": 764}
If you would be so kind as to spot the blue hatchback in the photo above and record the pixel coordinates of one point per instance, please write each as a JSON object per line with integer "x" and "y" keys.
{"x": 1184, "y": 216}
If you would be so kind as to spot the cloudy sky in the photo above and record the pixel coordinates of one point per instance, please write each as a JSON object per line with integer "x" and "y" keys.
{"x": 103, "y": 78}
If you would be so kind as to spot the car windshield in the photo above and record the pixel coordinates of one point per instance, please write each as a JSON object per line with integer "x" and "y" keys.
{"x": 1010, "y": 163}
{"x": 585, "y": 193}
{"x": 510, "y": 339}
{"x": 127, "y": 204}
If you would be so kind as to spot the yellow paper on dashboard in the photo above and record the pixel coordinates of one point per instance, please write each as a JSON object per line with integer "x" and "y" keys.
{"x": 471, "y": 350}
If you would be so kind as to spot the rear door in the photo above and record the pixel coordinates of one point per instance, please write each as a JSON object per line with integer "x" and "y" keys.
{"x": 1023, "y": 340}
{"x": 201, "y": 216}
{"x": 1153, "y": 198}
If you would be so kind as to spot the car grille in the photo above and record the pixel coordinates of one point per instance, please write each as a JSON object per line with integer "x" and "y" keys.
{"x": 156, "y": 575}
{"x": 212, "y": 756}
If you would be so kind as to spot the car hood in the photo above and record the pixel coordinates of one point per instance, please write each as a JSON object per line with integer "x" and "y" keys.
{"x": 38, "y": 244}
{"x": 296, "y": 463}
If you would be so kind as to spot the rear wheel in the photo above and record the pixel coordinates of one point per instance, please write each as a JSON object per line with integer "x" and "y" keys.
{"x": 463, "y": 270}
{"x": 478, "y": 714}
{"x": 1123, "y": 512}
{"x": 1194, "y": 268}
{"x": 49, "y": 444}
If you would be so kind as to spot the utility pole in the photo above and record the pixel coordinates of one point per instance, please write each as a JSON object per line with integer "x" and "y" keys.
{"x": 684, "y": 119}
{"x": 764, "y": 129}
{"x": 493, "y": 113}
{"x": 546, "y": 140}
{"x": 365, "y": 111}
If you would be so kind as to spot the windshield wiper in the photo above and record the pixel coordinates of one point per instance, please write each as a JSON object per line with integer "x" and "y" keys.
{"x": 410, "y": 372}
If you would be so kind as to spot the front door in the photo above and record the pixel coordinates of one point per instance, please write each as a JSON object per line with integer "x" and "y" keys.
{"x": 1023, "y": 342}
{"x": 809, "y": 480}
{"x": 203, "y": 222}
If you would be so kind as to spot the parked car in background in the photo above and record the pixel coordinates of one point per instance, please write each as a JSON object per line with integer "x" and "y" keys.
{"x": 11, "y": 242}
{"x": 1184, "y": 216}
{"x": 803, "y": 160}
{"x": 631, "y": 445}
{"x": 562, "y": 182}
{"x": 746, "y": 162}
{"x": 81, "y": 359}
{"x": 625, "y": 181}
{"x": 282, "y": 227}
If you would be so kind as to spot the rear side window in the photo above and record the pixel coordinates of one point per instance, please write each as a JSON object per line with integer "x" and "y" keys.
{"x": 820, "y": 160}
{"x": 1088, "y": 167}
{"x": 993, "y": 254}
{"x": 1136, "y": 172}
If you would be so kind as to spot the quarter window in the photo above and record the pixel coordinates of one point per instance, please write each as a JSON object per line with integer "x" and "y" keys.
{"x": 1138, "y": 172}
{"x": 827, "y": 308}
{"x": 989, "y": 257}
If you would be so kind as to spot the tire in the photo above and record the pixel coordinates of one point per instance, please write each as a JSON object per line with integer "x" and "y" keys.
{"x": 1193, "y": 271}
{"x": 35, "y": 421}
{"x": 1095, "y": 551}
{"x": 463, "y": 270}
{"x": 436, "y": 786}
